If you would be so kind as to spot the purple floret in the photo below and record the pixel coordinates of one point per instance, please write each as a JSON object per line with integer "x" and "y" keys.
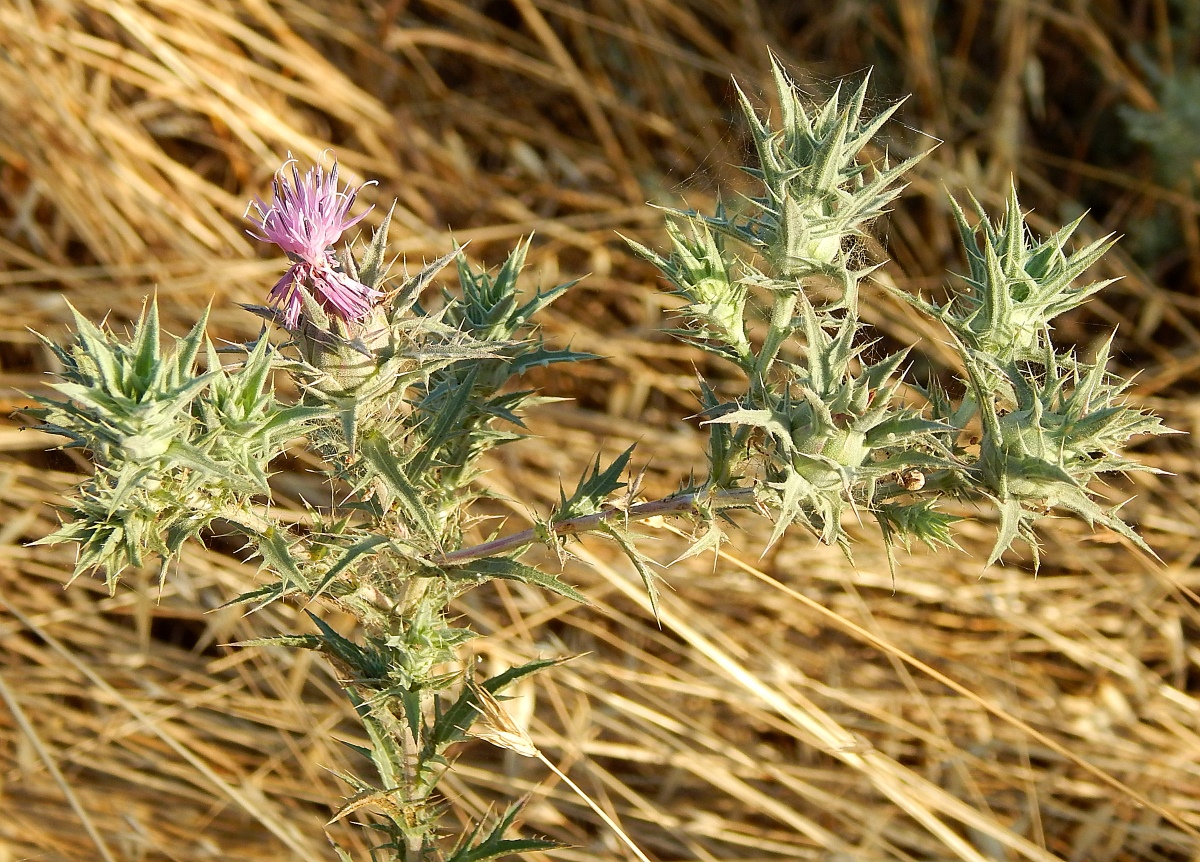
{"x": 305, "y": 218}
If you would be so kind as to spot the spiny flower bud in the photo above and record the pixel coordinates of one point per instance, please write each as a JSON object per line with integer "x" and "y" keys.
{"x": 346, "y": 353}
{"x": 1017, "y": 283}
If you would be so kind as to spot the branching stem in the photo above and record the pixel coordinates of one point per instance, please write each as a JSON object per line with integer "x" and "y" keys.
{"x": 679, "y": 504}
{"x": 414, "y": 849}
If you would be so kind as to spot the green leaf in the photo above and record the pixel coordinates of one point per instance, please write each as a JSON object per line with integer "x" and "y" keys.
{"x": 475, "y": 848}
{"x": 919, "y": 520}
{"x": 290, "y": 420}
{"x": 292, "y": 641}
{"x": 411, "y": 290}
{"x": 450, "y": 416}
{"x": 774, "y": 423}
{"x": 189, "y": 346}
{"x": 494, "y": 849}
{"x": 333, "y": 644}
{"x": 273, "y": 547}
{"x": 451, "y": 725}
{"x": 594, "y": 489}
{"x": 1011, "y": 522}
{"x": 500, "y": 567}
{"x": 184, "y": 454}
{"x": 411, "y": 701}
{"x": 794, "y": 490}
{"x": 540, "y": 357}
{"x": 710, "y": 540}
{"x": 503, "y": 680}
{"x": 264, "y": 595}
{"x": 391, "y": 469}
{"x": 901, "y": 428}
{"x": 385, "y": 752}
{"x": 639, "y": 561}
{"x": 372, "y": 268}
{"x": 541, "y": 300}
{"x": 145, "y": 345}
{"x": 351, "y": 555}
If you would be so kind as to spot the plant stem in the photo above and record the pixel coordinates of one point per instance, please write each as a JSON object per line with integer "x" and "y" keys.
{"x": 777, "y": 333}
{"x": 414, "y": 849}
{"x": 680, "y": 504}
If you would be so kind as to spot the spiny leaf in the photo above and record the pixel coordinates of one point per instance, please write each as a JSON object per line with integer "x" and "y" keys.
{"x": 391, "y": 469}
{"x": 371, "y": 268}
{"x": 449, "y": 416}
{"x": 452, "y": 724}
{"x": 639, "y": 561}
{"x": 500, "y": 567}
{"x": 710, "y": 540}
{"x": 1011, "y": 522}
{"x": 404, "y": 298}
{"x": 384, "y": 753}
{"x": 594, "y": 488}
{"x": 272, "y": 545}
{"x": 494, "y": 845}
{"x": 540, "y": 357}
{"x": 362, "y": 548}
{"x": 919, "y": 521}
{"x": 293, "y": 641}
{"x": 264, "y": 595}
{"x": 146, "y": 342}
{"x": 337, "y": 646}
{"x": 773, "y": 422}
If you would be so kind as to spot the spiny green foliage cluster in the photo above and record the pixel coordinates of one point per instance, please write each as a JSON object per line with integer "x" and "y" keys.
{"x": 175, "y": 448}
{"x": 413, "y": 397}
{"x": 1016, "y": 284}
{"x": 1049, "y": 428}
{"x": 402, "y": 405}
{"x": 1050, "y": 422}
{"x": 824, "y": 428}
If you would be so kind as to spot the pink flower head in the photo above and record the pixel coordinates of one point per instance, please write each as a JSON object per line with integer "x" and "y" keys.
{"x": 305, "y": 218}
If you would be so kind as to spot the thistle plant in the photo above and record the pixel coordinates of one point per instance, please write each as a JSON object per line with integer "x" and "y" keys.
{"x": 403, "y": 392}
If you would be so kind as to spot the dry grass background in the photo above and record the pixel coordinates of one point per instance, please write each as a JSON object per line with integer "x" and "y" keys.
{"x": 793, "y": 707}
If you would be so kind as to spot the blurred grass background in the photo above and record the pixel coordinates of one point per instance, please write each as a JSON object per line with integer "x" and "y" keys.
{"x": 1040, "y": 718}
